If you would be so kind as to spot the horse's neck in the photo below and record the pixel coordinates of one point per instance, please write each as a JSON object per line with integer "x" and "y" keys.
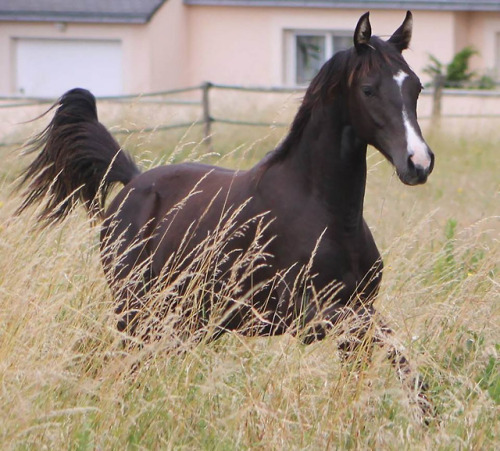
{"x": 332, "y": 160}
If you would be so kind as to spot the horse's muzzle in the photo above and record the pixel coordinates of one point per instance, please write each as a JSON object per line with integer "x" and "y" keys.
{"x": 416, "y": 174}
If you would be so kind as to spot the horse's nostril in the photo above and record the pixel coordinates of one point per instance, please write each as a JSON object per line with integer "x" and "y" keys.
{"x": 421, "y": 173}
{"x": 420, "y": 170}
{"x": 411, "y": 165}
{"x": 431, "y": 167}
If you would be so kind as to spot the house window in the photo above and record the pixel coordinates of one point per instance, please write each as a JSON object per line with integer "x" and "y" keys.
{"x": 307, "y": 51}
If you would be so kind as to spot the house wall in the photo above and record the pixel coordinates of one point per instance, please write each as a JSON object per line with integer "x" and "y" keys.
{"x": 184, "y": 45}
{"x": 155, "y": 55}
{"x": 168, "y": 48}
{"x": 462, "y": 29}
{"x": 246, "y": 45}
{"x": 484, "y": 32}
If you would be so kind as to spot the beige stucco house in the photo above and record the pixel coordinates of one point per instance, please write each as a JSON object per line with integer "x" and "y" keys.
{"x": 138, "y": 46}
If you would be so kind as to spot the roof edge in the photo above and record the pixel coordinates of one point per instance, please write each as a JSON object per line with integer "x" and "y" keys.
{"x": 155, "y": 10}
{"x": 441, "y": 6}
{"x": 82, "y": 18}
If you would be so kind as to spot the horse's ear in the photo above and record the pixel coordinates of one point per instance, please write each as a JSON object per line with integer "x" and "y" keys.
{"x": 402, "y": 36}
{"x": 363, "y": 32}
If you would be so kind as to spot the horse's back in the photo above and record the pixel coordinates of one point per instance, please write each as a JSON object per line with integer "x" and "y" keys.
{"x": 171, "y": 184}
{"x": 160, "y": 206}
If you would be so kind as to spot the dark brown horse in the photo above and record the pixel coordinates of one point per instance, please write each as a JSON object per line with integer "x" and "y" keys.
{"x": 287, "y": 236}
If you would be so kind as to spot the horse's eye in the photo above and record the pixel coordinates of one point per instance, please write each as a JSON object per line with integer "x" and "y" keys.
{"x": 367, "y": 91}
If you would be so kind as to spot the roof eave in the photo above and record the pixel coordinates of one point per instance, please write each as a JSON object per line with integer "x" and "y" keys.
{"x": 70, "y": 18}
{"x": 472, "y": 6}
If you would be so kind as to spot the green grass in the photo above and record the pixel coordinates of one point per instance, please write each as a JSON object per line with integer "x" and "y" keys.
{"x": 67, "y": 383}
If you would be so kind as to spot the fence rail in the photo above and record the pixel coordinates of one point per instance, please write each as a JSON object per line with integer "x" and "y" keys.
{"x": 206, "y": 119}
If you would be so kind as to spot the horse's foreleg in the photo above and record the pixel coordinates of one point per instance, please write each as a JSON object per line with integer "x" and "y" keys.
{"x": 367, "y": 330}
{"x": 408, "y": 376}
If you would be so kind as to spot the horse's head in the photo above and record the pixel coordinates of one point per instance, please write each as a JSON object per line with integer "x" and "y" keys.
{"x": 382, "y": 96}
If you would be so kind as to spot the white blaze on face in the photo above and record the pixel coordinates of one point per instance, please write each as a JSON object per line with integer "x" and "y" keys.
{"x": 417, "y": 149}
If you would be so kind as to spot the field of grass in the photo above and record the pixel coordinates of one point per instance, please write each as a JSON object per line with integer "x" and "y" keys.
{"x": 65, "y": 377}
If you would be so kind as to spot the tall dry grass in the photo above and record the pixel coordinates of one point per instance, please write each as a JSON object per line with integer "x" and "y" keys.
{"x": 66, "y": 379}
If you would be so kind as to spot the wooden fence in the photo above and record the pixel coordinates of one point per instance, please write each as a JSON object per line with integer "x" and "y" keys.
{"x": 206, "y": 119}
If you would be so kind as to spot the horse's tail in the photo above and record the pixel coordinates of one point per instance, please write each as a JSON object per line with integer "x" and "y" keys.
{"x": 79, "y": 160}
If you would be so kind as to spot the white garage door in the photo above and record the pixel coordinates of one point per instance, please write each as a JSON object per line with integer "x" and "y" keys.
{"x": 49, "y": 67}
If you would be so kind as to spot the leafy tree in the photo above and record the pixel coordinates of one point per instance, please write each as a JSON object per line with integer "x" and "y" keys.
{"x": 456, "y": 72}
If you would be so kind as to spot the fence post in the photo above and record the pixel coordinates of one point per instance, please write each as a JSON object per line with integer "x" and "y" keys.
{"x": 207, "y": 119}
{"x": 438, "y": 84}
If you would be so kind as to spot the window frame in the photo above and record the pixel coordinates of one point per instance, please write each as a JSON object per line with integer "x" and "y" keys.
{"x": 290, "y": 60}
